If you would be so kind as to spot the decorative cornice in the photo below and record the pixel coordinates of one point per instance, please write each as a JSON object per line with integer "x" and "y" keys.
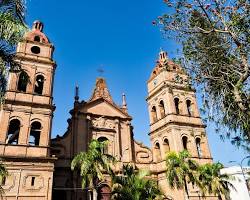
{"x": 166, "y": 85}
{"x": 179, "y": 124}
{"x": 31, "y": 104}
{"x": 23, "y": 57}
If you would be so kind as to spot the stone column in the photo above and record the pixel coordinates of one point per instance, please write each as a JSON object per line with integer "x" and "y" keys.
{"x": 5, "y": 115}
{"x": 170, "y": 100}
{"x": 117, "y": 140}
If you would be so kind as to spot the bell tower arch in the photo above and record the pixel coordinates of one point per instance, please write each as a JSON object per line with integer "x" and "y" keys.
{"x": 175, "y": 122}
{"x": 26, "y": 117}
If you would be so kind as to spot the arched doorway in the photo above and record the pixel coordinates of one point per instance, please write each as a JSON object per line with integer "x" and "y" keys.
{"x": 104, "y": 193}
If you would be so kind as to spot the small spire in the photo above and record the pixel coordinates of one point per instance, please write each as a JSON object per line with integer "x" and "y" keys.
{"x": 124, "y": 103}
{"x": 162, "y": 56}
{"x": 76, "y": 93}
{"x": 101, "y": 91}
{"x": 37, "y": 25}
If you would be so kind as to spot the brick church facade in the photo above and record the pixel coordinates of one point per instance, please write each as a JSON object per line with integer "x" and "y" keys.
{"x": 39, "y": 166}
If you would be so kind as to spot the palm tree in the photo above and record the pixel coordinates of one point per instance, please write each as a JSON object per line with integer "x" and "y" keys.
{"x": 180, "y": 170}
{"x": 12, "y": 29}
{"x": 134, "y": 185}
{"x": 3, "y": 175}
{"x": 211, "y": 181}
{"x": 93, "y": 164}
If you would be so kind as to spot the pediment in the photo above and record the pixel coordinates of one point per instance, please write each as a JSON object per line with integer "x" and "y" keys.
{"x": 104, "y": 108}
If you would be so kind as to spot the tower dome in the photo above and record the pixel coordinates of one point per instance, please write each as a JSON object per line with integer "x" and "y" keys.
{"x": 36, "y": 34}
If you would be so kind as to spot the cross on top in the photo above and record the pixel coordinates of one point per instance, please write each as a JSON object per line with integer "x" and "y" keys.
{"x": 101, "y": 70}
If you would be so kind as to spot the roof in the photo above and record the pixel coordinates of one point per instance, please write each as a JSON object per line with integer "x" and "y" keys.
{"x": 36, "y": 33}
{"x": 101, "y": 91}
{"x": 164, "y": 63}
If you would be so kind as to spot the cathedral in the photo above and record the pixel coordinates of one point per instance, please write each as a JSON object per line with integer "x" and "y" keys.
{"x": 39, "y": 166}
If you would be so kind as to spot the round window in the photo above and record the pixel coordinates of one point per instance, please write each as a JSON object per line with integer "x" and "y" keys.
{"x": 35, "y": 50}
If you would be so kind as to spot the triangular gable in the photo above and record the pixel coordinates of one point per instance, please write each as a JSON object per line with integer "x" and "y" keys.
{"x": 104, "y": 108}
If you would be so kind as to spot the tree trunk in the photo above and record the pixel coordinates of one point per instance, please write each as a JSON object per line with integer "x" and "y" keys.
{"x": 186, "y": 191}
{"x": 95, "y": 194}
{"x": 90, "y": 194}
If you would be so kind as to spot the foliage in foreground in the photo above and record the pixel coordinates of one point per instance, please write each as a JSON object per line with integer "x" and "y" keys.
{"x": 12, "y": 29}
{"x": 93, "y": 164}
{"x": 215, "y": 37}
{"x": 181, "y": 170}
{"x": 134, "y": 185}
{"x": 3, "y": 175}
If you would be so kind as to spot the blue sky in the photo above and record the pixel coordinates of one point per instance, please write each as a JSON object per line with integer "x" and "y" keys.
{"x": 119, "y": 37}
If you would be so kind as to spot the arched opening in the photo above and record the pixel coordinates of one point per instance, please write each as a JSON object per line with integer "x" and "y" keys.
{"x": 22, "y": 82}
{"x": 106, "y": 148}
{"x": 154, "y": 114}
{"x": 59, "y": 194}
{"x": 162, "y": 109}
{"x": 13, "y": 132}
{"x": 166, "y": 145}
{"x": 104, "y": 193}
{"x": 35, "y": 49}
{"x": 39, "y": 84}
{"x": 198, "y": 147}
{"x": 157, "y": 151}
{"x": 37, "y": 38}
{"x": 189, "y": 108}
{"x": 176, "y": 103}
{"x": 35, "y": 133}
{"x": 185, "y": 142}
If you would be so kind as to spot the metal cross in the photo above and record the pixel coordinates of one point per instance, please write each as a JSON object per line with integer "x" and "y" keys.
{"x": 101, "y": 70}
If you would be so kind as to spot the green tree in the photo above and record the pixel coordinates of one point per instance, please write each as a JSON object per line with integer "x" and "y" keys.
{"x": 134, "y": 185}
{"x": 12, "y": 29}
{"x": 215, "y": 39}
{"x": 212, "y": 181}
{"x": 3, "y": 175}
{"x": 180, "y": 170}
{"x": 93, "y": 164}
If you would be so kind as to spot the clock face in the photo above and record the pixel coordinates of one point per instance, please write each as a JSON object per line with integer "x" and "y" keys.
{"x": 155, "y": 82}
{"x": 178, "y": 79}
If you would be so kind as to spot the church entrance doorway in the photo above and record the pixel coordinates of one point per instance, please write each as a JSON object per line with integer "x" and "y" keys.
{"x": 104, "y": 193}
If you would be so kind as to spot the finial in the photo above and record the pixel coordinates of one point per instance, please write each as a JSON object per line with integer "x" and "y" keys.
{"x": 162, "y": 55}
{"x": 101, "y": 71}
{"x": 77, "y": 93}
{"x": 37, "y": 25}
{"x": 124, "y": 103}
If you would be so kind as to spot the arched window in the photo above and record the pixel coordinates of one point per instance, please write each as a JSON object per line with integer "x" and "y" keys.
{"x": 198, "y": 147}
{"x": 189, "y": 108}
{"x": 22, "y": 82}
{"x": 157, "y": 152}
{"x": 37, "y": 38}
{"x": 154, "y": 114}
{"x": 104, "y": 139}
{"x": 39, "y": 84}
{"x": 104, "y": 192}
{"x": 13, "y": 132}
{"x": 176, "y": 103}
{"x": 166, "y": 145}
{"x": 35, "y": 133}
{"x": 185, "y": 142}
{"x": 162, "y": 109}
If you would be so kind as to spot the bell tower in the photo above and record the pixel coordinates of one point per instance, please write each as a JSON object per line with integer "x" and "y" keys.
{"x": 26, "y": 118}
{"x": 175, "y": 122}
